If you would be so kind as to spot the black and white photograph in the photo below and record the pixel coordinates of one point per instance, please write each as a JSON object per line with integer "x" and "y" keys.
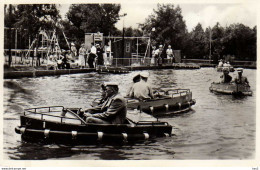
{"x": 141, "y": 80}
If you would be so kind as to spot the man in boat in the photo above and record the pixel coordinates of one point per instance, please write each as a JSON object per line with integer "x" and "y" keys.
{"x": 241, "y": 79}
{"x": 142, "y": 89}
{"x": 136, "y": 79}
{"x": 225, "y": 78}
{"x": 116, "y": 107}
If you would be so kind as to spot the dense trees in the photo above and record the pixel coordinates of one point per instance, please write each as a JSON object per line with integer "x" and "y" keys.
{"x": 170, "y": 28}
{"x": 83, "y": 18}
{"x": 169, "y": 25}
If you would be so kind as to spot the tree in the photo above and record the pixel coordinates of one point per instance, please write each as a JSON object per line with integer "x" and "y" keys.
{"x": 83, "y": 18}
{"x": 35, "y": 17}
{"x": 170, "y": 28}
{"x": 198, "y": 42}
{"x": 240, "y": 40}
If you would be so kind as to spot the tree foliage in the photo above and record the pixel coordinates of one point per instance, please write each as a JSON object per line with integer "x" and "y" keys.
{"x": 170, "y": 28}
{"x": 87, "y": 18}
{"x": 33, "y": 17}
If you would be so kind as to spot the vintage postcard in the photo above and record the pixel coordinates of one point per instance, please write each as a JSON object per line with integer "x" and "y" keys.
{"x": 120, "y": 83}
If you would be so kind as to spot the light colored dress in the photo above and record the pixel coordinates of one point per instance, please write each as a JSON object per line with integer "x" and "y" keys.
{"x": 82, "y": 52}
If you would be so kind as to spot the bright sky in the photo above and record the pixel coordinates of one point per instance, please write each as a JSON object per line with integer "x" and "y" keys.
{"x": 206, "y": 14}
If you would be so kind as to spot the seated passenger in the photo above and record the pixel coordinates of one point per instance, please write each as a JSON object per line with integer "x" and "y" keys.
{"x": 116, "y": 108}
{"x": 142, "y": 90}
{"x": 220, "y": 64}
{"x": 136, "y": 79}
{"x": 225, "y": 78}
{"x": 228, "y": 64}
{"x": 241, "y": 79}
{"x": 225, "y": 64}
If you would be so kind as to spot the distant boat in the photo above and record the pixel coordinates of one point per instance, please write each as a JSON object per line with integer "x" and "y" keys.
{"x": 231, "y": 88}
{"x": 220, "y": 68}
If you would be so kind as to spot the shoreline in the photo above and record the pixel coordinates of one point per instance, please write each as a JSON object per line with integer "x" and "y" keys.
{"x": 27, "y": 71}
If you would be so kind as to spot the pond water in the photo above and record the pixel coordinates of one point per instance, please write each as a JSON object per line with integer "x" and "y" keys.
{"x": 217, "y": 127}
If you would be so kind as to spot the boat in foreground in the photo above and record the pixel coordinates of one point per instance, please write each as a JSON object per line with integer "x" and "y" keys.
{"x": 57, "y": 124}
{"x": 231, "y": 89}
{"x": 167, "y": 102}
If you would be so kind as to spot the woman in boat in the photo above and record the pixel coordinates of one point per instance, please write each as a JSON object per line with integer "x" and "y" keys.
{"x": 116, "y": 108}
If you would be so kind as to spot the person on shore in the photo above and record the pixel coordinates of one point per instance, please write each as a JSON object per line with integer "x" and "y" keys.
{"x": 159, "y": 55}
{"x": 82, "y": 52}
{"x": 92, "y": 56}
{"x": 73, "y": 51}
{"x": 136, "y": 79}
{"x": 241, "y": 79}
{"x": 100, "y": 58}
{"x": 225, "y": 78}
{"x": 169, "y": 54}
{"x": 116, "y": 108}
{"x": 153, "y": 55}
{"x": 142, "y": 89}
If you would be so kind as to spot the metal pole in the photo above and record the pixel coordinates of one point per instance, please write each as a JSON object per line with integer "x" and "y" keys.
{"x": 15, "y": 38}
{"x": 10, "y": 38}
{"x": 210, "y": 43}
{"x": 137, "y": 49}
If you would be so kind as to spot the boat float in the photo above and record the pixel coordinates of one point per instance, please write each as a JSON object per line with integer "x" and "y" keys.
{"x": 231, "y": 89}
{"x": 56, "y": 124}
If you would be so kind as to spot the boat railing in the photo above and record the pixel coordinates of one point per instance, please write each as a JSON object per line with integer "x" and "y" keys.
{"x": 53, "y": 111}
{"x": 174, "y": 92}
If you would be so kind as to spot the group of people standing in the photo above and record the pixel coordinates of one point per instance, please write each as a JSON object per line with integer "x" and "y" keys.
{"x": 96, "y": 55}
{"x": 85, "y": 58}
{"x": 161, "y": 55}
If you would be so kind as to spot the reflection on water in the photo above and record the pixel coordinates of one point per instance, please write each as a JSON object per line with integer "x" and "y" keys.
{"x": 218, "y": 127}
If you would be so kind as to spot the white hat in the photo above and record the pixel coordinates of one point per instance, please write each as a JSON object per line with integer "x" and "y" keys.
{"x": 160, "y": 45}
{"x": 169, "y": 46}
{"x": 111, "y": 84}
{"x": 144, "y": 74}
{"x": 72, "y": 44}
{"x": 239, "y": 69}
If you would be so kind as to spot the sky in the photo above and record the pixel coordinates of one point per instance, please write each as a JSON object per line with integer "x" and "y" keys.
{"x": 206, "y": 14}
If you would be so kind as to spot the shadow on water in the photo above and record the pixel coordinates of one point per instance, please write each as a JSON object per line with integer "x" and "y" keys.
{"x": 111, "y": 151}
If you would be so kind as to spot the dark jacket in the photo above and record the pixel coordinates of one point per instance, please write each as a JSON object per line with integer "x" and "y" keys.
{"x": 116, "y": 110}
